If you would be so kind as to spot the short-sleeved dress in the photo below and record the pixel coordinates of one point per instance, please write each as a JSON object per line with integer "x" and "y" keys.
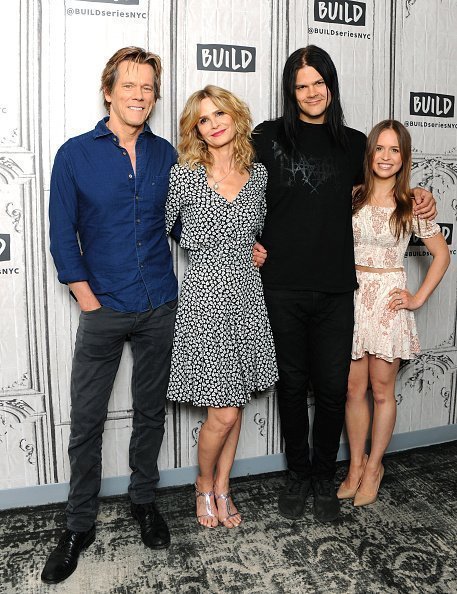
{"x": 387, "y": 334}
{"x": 223, "y": 347}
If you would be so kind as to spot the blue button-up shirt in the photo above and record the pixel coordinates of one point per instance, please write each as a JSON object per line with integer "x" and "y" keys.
{"x": 107, "y": 222}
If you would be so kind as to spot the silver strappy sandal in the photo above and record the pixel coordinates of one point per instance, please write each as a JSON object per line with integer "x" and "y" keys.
{"x": 226, "y": 499}
{"x": 209, "y": 513}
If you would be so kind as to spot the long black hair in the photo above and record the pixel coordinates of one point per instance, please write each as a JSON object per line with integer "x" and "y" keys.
{"x": 319, "y": 59}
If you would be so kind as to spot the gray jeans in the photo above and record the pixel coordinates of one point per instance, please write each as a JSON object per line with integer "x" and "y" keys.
{"x": 99, "y": 343}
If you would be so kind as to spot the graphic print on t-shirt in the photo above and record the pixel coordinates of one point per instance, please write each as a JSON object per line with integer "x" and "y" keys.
{"x": 305, "y": 171}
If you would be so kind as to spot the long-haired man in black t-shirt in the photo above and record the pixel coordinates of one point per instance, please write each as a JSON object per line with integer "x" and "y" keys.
{"x": 313, "y": 162}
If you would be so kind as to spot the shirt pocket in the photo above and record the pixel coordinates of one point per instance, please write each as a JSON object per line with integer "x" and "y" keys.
{"x": 158, "y": 190}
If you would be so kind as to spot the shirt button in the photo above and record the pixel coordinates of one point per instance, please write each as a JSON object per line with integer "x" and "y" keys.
{"x": 137, "y": 197}
{"x": 141, "y": 266}
{"x": 124, "y": 153}
{"x": 153, "y": 184}
{"x": 138, "y": 220}
{"x": 130, "y": 176}
{"x": 139, "y": 243}
{"x": 115, "y": 139}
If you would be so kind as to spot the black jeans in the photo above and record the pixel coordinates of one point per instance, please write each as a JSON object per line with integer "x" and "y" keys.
{"x": 313, "y": 339}
{"x": 99, "y": 343}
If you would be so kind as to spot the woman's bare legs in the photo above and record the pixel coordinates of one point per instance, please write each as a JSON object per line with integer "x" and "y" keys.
{"x": 357, "y": 420}
{"x": 223, "y": 468}
{"x": 382, "y": 377}
{"x": 213, "y": 436}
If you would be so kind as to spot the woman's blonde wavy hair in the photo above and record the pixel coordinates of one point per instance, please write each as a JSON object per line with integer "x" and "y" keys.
{"x": 193, "y": 150}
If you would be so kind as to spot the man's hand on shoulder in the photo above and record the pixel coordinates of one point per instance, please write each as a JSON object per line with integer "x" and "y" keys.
{"x": 424, "y": 204}
{"x": 84, "y": 296}
{"x": 259, "y": 255}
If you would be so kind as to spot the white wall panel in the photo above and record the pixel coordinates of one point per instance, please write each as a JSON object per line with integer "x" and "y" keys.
{"x": 425, "y": 59}
{"x": 423, "y": 74}
{"x": 25, "y": 428}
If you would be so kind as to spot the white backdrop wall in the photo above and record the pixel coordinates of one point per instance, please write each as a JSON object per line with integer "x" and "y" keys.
{"x": 395, "y": 58}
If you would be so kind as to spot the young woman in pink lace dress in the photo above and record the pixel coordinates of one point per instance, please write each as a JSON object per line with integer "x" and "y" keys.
{"x": 385, "y": 330}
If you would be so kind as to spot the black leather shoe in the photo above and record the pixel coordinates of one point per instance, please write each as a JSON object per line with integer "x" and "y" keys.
{"x": 326, "y": 503}
{"x": 292, "y": 499}
{"x": 154, "y": 530}
{"x": 63, "y": 560}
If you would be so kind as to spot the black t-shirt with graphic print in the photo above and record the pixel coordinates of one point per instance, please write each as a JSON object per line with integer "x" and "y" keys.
{"x": 308, "y": 227}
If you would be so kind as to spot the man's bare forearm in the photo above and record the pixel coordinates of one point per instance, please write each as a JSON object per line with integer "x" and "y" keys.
{"x": 84, "y": 295}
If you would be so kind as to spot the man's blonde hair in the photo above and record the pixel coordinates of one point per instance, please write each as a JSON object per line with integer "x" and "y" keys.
{"x": 137, "y": 55}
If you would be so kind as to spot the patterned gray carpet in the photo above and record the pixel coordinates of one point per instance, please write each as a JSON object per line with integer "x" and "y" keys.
{"x": 405, "y": 543}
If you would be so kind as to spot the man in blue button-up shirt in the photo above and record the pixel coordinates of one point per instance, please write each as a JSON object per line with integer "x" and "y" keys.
{"x": 108, "y": 241}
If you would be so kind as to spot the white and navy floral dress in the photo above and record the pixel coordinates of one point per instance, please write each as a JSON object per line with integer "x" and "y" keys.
{"x": 223, "y": 347}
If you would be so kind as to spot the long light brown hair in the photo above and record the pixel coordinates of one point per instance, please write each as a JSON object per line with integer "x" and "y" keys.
{"x": 401, "y": 218}
{"x": 193, "y": 150}
{"x": 137, "y": 55}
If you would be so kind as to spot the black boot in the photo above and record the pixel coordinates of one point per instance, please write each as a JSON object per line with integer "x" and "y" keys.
{"x": 63, "y": 560}
{"x": 291, "y": 501}
{"x": 154, "y": 530}
{"x": 326, "y": 503}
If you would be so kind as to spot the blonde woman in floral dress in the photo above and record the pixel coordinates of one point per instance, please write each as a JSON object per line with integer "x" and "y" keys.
{"x": 385, "y": 330}
{"x": 223, "y": 347}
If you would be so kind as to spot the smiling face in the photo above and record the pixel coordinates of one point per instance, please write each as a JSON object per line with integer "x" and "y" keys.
{"x": 312, "y": 94}
{"x": 387, "y": 160}
{"x": 132, "y": 97}
{"x": 216, "y": 127}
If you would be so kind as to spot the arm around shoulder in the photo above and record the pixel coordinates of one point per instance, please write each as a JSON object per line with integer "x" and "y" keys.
{"x": 173, "y": 205}
{"x": 424, "y": 204}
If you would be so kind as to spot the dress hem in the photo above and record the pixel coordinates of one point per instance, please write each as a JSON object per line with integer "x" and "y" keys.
{"x": 388, "y": 358}
{"x": 238, "y": 404}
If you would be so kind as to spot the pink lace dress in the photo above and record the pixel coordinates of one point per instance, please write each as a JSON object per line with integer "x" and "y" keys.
{"x": 378, "y": 331}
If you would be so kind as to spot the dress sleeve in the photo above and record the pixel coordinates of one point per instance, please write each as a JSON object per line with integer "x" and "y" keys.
{"x": 424, "y": 228}
{"x": 173, "y": 204}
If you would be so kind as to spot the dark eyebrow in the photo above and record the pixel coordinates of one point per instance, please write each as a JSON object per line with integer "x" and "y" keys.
{"x": 313, "y": 83}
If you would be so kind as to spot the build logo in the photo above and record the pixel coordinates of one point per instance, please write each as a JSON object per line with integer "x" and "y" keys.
{"x": 120, "y": 2}
{"x": 340, "y": 13}
{"x": 226, "y": 58}
{"x": 432, "y": 105}
{"x": 5, "y": 250}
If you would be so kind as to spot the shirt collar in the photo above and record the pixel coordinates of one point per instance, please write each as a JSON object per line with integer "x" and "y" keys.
{"x": 101, "y": 129}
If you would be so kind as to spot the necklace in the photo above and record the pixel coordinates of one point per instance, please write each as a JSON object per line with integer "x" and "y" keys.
{"x": 382, "y": 198}
{"x": 217, "y": 182}
{"x": 381, "y": 201}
